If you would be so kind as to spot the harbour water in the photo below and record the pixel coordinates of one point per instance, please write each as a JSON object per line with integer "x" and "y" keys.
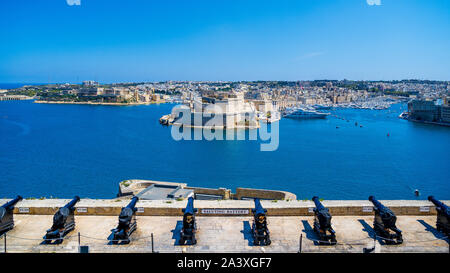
{"x": 64, "y": 150}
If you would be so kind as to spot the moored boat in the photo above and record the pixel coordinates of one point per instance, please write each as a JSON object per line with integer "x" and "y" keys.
{"x": 300, "y": 113}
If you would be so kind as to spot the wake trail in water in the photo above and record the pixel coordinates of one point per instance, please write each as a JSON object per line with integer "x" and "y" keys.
{"x": 25, "y": 128}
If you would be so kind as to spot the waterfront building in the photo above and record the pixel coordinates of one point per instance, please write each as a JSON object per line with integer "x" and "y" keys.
{"x": 445, "y": 113}
{"x": 90, "y": 83}
{"x": 424, "y": 110}
{"x": 429, "y": 110}
{"x": 90, "y": 91}
{"x": 14, "y": 97}
{"x": 236, "y": 112}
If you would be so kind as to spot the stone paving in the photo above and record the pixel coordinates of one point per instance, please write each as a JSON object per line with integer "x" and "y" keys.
{"x": 224, "y": 234}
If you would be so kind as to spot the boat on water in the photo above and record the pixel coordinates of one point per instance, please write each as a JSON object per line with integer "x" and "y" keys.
{"x": 301, "y": 113}
{"x": 320, "y": 107}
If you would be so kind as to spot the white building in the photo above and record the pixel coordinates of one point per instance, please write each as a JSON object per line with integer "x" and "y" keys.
{"x": 231, "y": 112}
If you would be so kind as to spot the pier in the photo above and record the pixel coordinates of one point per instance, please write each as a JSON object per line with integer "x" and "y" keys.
{"x": 15, "y": 97}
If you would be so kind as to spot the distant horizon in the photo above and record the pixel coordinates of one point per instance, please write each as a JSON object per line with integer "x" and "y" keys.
{"x": 234, "y": 81}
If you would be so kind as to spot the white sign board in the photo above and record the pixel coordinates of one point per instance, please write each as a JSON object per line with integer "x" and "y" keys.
{"x": 225, "y": 211}
{"x": 367, "y": 209}
{"x": 82, "y": 210}
{"x": 24, "y": 210}
{"x": 424, "y": 209}
{"x": 140, "y": 210}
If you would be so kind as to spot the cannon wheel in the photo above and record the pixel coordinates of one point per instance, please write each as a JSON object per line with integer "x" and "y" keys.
{"x": 333, "y": 240}
{"x": 268, "y": 242}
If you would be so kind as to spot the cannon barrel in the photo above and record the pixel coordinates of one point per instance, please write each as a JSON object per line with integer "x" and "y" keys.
{"x": 318, "y": 204}
{"x": 9, "y": 205}
{"x": 376, "y": 203}
{"x": 133, "y": 202}
{"x": 190, "y": 206}
{"x": 438, "y": 203}
{"x": 258, "y": 207}
{"x": 72, "y": 203}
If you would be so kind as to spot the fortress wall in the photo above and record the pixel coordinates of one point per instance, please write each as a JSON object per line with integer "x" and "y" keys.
{"x": 263, "y": 194}
{"x": 223, "y": 207}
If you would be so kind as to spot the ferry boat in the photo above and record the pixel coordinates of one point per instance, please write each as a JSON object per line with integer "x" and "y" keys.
{"x": 300, "y": 113}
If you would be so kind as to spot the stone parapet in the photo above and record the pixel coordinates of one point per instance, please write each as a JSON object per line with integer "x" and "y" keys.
{"x": 222, "y": 207}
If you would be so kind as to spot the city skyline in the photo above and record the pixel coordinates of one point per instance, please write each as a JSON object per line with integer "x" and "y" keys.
{"x": 115, "y": 41}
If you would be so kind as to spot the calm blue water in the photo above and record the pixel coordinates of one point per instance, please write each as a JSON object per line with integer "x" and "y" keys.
{"x": 63, "y": 150}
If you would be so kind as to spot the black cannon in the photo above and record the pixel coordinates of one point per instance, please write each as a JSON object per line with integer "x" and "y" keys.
{"x": 127, "y": 223}
{"x": 322, "y": 223}
{"x": 384, "y": 223}
{"x": 443, "y": 216}
{"x": 260, "y": 232}
{"x": 6, "y": 215}
{"x": 63, "y": 223}
{"x": 189, "y": 224}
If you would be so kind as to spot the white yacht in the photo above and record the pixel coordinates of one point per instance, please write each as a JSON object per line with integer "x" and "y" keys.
{"x": 301, "y": 113}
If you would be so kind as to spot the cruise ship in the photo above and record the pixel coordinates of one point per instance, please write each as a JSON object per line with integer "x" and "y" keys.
{"x": 300, "y": 113}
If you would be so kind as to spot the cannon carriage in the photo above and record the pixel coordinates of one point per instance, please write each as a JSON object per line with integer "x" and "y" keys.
{"x": 189, "y": 224}
{"x": 384, "y": 223}
{"x": 6, "y": 215}
{"x": 63, "y": 223}
{"x": 322, "y": 223}
{"x": 127, "y": 223}
{"x": 260, "y": 231}
{"x": 443, "y": 216}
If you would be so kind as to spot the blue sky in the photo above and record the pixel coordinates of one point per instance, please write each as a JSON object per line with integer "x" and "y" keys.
{"x": 118, "y": 41}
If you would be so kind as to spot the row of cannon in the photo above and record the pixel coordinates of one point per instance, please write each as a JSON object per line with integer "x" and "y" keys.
{"x": 384, "y": 222}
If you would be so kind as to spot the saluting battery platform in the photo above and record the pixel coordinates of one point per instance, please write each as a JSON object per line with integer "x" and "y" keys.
{"x": 223, "y": 225}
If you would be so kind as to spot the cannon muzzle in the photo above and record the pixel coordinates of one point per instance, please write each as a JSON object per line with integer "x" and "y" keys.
{"x": 318, "y": 204}
{"x": 133, "y": 202}
{"x": 72, "y": 203}
{"x": 438, "y": 203}
{"x": 189, "y": 207}
{"x": 258, "y": 207}
{"x": 10, "y": 205}
{"x": 376, "y": 203}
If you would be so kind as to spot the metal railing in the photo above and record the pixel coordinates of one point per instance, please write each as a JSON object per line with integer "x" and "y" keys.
{"x": 147, "y": 244}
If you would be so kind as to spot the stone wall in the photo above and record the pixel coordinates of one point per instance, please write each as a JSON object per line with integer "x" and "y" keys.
{"x": 263, "y": 194}
{"x": 223, "y": 207}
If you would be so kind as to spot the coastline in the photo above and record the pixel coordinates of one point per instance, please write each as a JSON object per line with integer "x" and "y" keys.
{"x": 98, "y": 103}
{"x": 428, "y": 122}
{"x": 406, "y": 117}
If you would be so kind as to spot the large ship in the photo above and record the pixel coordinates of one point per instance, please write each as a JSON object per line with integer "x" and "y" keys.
{"x": 321, "y": 107}
{"x": 301, "y": 113}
